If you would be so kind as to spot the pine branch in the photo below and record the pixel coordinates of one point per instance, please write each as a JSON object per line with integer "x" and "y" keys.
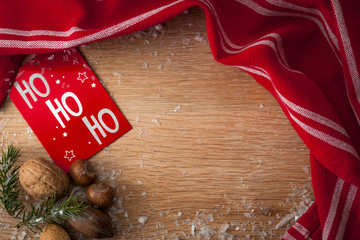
{"x": 9, "y": 176}
{"x": 49, "y": 210}
{"x": 52, "y": 211}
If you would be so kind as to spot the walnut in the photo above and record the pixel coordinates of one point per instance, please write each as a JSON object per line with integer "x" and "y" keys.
{"x": 41, "y": 179}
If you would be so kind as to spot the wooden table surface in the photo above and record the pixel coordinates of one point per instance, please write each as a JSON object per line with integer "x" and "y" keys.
{"x": 211, "y": 155}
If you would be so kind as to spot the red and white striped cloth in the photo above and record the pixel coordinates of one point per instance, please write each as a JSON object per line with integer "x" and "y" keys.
{"x": 305, "y": 52}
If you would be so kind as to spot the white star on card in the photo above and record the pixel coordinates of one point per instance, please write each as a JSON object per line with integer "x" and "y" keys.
{"x": 93, "y": 85}
{"x": 57, "y": 81}
{"x": 82, "y": 77}
{"x": 65, "y": 134}
{"x": 69, "y": 154}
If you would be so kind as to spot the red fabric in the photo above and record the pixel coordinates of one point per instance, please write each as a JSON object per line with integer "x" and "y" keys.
{"x": 306, "y": 53}
{"x": 9, "y": 66}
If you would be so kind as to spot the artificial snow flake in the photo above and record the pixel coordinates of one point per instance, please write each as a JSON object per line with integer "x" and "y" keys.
{"x": 142, "y": 220}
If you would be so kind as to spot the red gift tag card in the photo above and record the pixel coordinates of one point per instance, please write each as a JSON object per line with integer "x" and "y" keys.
{"x": 67, "y": 107}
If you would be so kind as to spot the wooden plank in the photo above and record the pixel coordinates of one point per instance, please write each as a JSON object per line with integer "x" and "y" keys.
{"x": 210, "y": 154}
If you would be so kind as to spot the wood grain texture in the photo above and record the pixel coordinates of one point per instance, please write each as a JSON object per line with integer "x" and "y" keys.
{"x": 211, "y": 154}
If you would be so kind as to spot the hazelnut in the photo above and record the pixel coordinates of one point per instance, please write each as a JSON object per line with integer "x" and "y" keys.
{"x": 100, "y": 194}
{"x": 93, "y": 223}
{"x": 82, "y": 172}
{"x": 53, "y": 232}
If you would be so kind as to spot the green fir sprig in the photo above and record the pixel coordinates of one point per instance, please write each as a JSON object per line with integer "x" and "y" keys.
{"x": 9, "y": 176}
{"x": 50, "y": 210}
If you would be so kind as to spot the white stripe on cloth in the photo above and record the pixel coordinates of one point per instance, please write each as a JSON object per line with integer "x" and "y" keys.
{"x": 32, "y": 33}
{"x": 288, "y": 236}
{"x": 326, "y": 137}
{"x": 305, "y": 10}
{"x": 314, "y": 116}
{"x": 264, "y": 42}
{"x": 223, "y": 35}
{"x": 280, "y": 54}
{"x": 310, "y": 130}
{"x": 117, "y": 28}
{"x": 267, "y": 12}
{"x": 333, "y": 208}
{"x": 278, "y": 43}
{"x": 305, "y": 112}
{"x": 345, "y": 215}
{"x": 349, "y": 54}
{"x": 302, "y": 230}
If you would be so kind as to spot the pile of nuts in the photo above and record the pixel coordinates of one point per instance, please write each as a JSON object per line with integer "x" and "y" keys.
{"x": 83, "y": 174}
{"x": 41, "y": 179}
